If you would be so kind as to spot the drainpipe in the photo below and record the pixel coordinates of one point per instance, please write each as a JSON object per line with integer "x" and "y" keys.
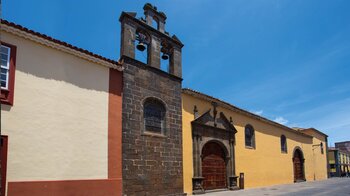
{"x": 327, "y": 158}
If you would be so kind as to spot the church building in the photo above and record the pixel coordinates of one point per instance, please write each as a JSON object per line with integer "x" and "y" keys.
{"x": 76, "y": 123}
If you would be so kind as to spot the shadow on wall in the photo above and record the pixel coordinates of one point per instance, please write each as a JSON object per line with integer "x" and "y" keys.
{"x": 48, "y": 63}
{"x": 5, "y": 107}
{"x": 316, "y": 135}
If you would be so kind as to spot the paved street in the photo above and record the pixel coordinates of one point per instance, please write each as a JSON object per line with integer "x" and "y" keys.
{"x": 330, "y": 187}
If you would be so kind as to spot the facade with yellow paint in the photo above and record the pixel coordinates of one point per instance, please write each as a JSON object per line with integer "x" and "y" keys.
{"x": 332, "y": 157}
{"x": 223, "y": 144}
{"x": 344, "y": 160}
{"x": 339, "y": 162}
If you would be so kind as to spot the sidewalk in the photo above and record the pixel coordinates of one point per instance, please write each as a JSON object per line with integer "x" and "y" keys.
{"x": 329, "y": 187}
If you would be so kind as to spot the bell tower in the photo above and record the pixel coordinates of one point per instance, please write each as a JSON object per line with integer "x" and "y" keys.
{"x": 152, "y": 110}
{"x": 139, "y": 32}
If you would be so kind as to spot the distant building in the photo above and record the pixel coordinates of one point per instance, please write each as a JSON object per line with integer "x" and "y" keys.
{"x": 339, "y": 162}
{"x": 344, "y": 146}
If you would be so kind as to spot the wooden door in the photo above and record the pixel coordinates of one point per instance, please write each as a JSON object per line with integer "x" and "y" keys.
{"x": 298, "y": 166}
{"x": 213, "y": 167}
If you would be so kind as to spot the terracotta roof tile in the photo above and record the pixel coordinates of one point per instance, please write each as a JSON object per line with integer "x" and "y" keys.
{"x": 58, "y": 41}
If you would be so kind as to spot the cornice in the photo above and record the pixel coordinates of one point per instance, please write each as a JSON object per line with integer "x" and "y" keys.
{"x": 125, "y": 59}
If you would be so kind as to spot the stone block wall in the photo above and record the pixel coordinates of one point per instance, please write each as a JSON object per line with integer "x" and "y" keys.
{"x": 152, "y": 163}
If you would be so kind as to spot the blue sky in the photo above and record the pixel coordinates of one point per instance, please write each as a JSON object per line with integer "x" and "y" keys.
{"x": 287, "y": 60}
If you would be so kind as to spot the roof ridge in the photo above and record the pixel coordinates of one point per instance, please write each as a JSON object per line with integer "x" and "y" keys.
{"x": 245, "y": 111}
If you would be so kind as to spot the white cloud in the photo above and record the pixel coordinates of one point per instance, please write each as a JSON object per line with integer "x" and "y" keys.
{"x": 259, "y": 112}
{"x": 281, "y": 120}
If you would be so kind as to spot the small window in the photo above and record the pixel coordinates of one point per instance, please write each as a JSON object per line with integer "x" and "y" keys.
{"x": 283, "y": 144}
{"x": 154, "y": 116}
{"x": 321, "y": 146}
{"x": 7, "y": 74}
{"x": 249, "y": 136}
{"x": 5, "y": 66}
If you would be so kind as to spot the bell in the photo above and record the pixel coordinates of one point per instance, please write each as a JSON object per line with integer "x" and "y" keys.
{"x": 141, "y": 46}
{"x": 165, "y": 57}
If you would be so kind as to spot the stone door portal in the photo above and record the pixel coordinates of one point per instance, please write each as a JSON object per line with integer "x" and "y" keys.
{"x": 213, "y": 167}
{"x": 213, "y": 152}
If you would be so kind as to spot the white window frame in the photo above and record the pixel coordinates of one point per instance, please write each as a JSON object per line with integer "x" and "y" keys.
{"x": 7, "y": 67}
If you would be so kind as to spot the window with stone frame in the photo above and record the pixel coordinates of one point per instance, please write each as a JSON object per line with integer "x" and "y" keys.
{"x": 154, "y": 116}
{"x": 283, "y": 144}
{"x": 249, "y": 136}
{"x": 8, "y": 66}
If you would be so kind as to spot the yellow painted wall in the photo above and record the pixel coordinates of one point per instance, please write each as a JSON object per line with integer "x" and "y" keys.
{"x": 57, "y": 127}
{"x": 187, "y": 117}
{"x": 344, "y": 161}
{"x": 263, "y": 166}
{"x": 344, "y": 158}
{"x": 320, "y": 160}
{"x": 331, "y": 160}
{"x": 331, "y": 157}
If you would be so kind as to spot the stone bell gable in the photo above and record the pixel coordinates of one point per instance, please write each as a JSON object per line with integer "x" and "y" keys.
{"x": 152, "y": 111}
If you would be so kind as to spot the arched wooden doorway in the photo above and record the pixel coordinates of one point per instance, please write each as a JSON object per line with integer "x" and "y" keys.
{"x": 298, "y": 164}
{"x": 213, "y": 166}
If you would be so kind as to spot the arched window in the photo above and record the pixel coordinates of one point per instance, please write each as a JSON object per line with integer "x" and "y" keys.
{"x": 249, "y": 136}
{"x": 283, "y": 144}
{"x": 154, "y": 116}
